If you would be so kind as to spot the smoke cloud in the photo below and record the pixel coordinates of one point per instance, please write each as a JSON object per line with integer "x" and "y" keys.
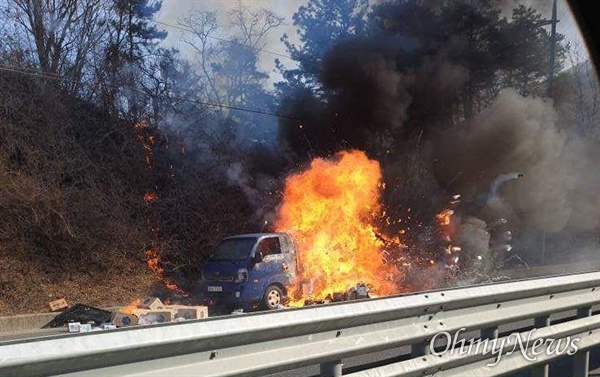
{"x": 518, "y": 169}
{"x": 255, "y": 190}
{"x": 519, "y": 134}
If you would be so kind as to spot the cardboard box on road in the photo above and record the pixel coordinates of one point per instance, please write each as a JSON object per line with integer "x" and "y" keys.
{"x": 131, "y": 316}
{"x": 149, "y": 317}
{"x": 142, "y": 317}
{"x": 152, "y": 303}
{"x": 58, "y": 305}
{"x": 189, "y": 312}
{"x": 121, "y": 319}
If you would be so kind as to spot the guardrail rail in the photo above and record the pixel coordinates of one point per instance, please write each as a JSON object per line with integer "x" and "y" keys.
{"x": 257, "y": 344}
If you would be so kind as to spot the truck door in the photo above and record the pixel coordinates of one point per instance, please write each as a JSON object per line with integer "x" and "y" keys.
{"x": 276, "y": 266}
{"x": 289, "y": 255}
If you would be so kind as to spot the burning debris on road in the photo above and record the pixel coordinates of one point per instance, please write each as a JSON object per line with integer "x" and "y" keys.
{"x": 151, "y": 310}
{"x": 358, "y": 292}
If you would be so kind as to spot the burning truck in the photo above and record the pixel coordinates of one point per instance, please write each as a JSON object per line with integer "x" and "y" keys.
{"x": 260, "y": 270}
{"x": 331, "y": 243}
{"x": 250, "y": 270}
{"x": 327, "y": 244}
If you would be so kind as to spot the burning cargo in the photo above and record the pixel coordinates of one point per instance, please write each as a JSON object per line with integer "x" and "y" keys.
{"x": 330, "y": 243}
{"x": 151, "y": 310}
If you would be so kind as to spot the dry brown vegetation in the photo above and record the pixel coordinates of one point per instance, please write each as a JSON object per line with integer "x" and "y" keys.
{"x": 73, "y": 221}
{"x": 71, "y": 208}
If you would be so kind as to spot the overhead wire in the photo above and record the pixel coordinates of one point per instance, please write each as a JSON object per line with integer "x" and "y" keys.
{"x": 52, "y": 76}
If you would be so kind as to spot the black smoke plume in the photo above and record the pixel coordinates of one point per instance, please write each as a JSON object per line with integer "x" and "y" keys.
{"x": 408, "y": 102}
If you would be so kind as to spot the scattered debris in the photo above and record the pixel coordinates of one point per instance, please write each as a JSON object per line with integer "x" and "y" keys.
{"x": 121, "y": 319}
{"x": 58, "y": 305}
{"x": 79, "y": 313}
{"x": 151, "y": 310}
{"x": 189, "y": 312}
{"x": 356, "y": 293}
{"x": 150, "y": 317}
{"x": 152, "y": 303}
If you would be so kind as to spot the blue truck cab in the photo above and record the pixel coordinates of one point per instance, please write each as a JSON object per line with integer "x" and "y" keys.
{"x": 250, "y": 271}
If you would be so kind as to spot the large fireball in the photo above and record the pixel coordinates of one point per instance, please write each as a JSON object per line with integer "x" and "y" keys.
{"x": 330, "y": 210}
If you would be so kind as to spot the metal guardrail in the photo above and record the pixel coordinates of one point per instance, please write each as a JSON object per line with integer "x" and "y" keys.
{"x": 550, "y": 270}
{"x": 258, "y": 344}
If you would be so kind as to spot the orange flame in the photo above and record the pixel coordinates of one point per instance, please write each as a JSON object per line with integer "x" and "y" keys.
{"x": 153, "y": 261}
{"x": 152, "y": 254}
{"x": 330, "y": 209}
{"x": 445, "y": 217}
{"x": 129, "y": 309}
{"x": 150, "y": 197}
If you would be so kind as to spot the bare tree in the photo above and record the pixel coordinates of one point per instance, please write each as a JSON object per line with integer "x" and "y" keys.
{"x": 253, "y": 25}
{"x": 229, "y": 65}
{"x": 62, "y": 33}
{"x": 204, "y": 26}
{"x": 586, "y": 93}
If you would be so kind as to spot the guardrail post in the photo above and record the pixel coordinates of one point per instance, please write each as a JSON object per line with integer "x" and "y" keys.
{"x": 581, "y": 360}
{"x": 331, "y": 369}
{"x": 489, "y": 333}
{"x": 419, "y": 349}
{"x": 541, "y": 370}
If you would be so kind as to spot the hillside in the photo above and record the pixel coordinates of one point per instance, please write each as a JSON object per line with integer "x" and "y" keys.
{"x": 71, "y": 207}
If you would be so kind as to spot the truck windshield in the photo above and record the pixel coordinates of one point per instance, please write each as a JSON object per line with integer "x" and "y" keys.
{"x": 233, "y": 249}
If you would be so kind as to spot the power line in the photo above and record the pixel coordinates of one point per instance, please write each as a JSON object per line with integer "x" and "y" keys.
{"x": 31, "y": 72}
{"x": 257, "y": 49}
{"x": 54, "y": 76}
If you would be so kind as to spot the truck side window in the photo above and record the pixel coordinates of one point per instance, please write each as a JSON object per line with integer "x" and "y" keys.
{"x": 269, "y": 246}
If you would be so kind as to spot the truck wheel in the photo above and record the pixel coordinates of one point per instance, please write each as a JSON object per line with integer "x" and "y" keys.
{"x": 273, "y": 297}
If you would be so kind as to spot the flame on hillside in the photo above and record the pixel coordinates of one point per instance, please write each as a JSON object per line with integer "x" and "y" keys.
{"x": 152, "y": 253}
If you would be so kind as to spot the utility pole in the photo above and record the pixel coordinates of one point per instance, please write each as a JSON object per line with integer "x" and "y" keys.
{"x": 550, "y": 81}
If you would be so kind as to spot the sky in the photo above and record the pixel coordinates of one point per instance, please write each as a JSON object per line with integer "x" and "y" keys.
{"x": 567, "y": 24}
{"x": 173, "y": 10}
